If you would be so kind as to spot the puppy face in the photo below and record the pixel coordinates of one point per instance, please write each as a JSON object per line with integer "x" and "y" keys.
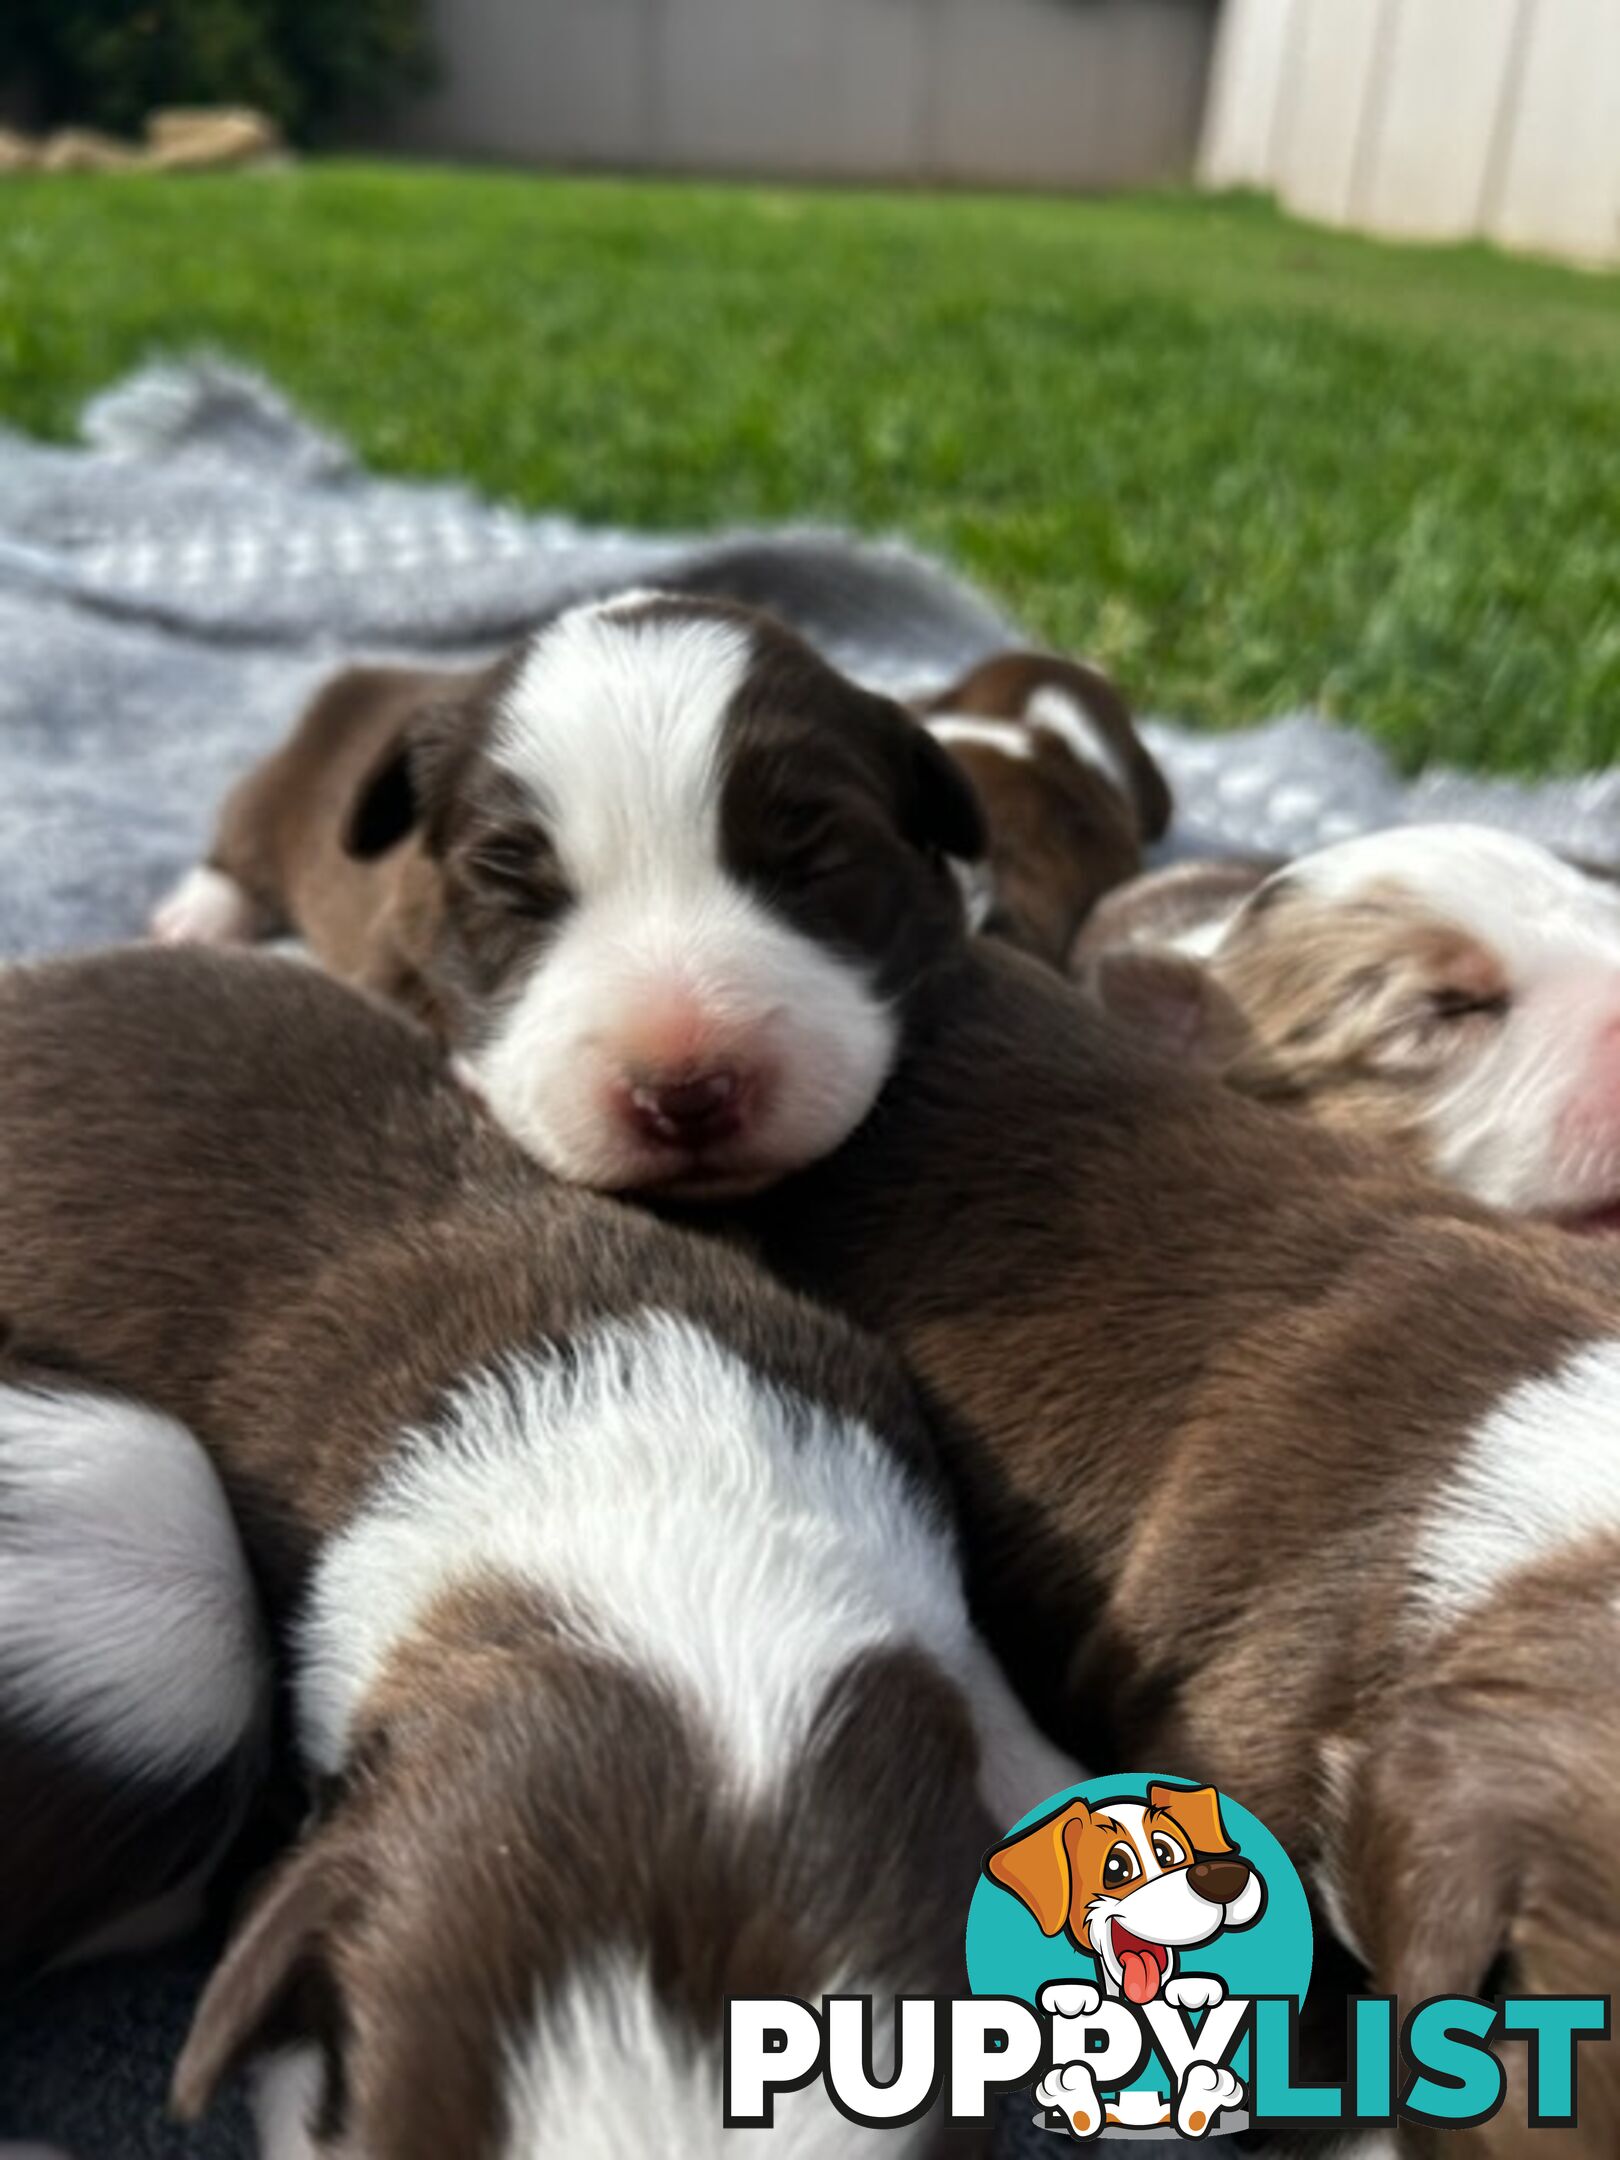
{"x": 1448, "y": 988}
{"x": 1069, "y": 790}
{"x": 690, "y": 874}
{"x": 1133, "y": 1882}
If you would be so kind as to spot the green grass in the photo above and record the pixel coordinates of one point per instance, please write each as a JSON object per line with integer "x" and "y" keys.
{"x": 1246, "y": 463}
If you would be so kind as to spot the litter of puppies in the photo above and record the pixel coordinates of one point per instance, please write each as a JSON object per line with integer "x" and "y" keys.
{"x": 1085, "y": 1314}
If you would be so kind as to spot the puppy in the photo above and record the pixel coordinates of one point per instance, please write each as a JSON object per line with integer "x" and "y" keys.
{"x": 1070, "y": 791}
{"x": 135, "y": 1685}
{"x": 1450, "y": 990}
{"x": 658, "y": 878}
{"x": 1283, "y": 1468}
{"x": 622, "y": 1615}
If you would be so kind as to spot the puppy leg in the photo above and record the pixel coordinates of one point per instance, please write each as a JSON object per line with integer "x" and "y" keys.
{"x": 134, "y": 1682}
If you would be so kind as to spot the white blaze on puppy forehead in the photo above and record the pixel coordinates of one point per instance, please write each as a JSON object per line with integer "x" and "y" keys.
{"x": 1055, "y": 711}
{"x": 614, "y": 725}
{"x": 665, "y": 967}
{"x": 1498, "y": 884}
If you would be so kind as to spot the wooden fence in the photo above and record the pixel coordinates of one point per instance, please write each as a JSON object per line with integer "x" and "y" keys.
{"x": 1038, "y": 93}
{"x": 1427, "y": 119}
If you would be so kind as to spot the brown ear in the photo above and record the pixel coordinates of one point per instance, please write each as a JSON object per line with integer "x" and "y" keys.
{"x": 1170, "y": 1001}
{"x": 1035, "y": 1867}
{"x": 278, "y": 1948}
{"x": 1162, "y": 906}
{"x": 1198, "y": 1812}
{"x": 413, "y": 774}
{"x": 943, "y": 812}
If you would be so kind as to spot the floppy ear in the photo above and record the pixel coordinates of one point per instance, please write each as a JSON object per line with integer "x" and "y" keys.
{"x": 408, "y": 780}
{"x": 276, "y": 1956}
{"x": 386, "y": 808}
{"x": 943, "y": 812}
{"x": 1035, "y": 1867}
{"x": 1168, "y": 999}
{"x": 1199, "y": 1814}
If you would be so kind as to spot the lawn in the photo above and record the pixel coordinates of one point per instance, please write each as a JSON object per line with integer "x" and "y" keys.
{"x": 1247, "y": 463}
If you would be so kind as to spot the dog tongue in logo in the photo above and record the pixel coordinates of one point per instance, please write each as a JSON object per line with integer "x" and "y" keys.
{"x": 1141, "y": 1964}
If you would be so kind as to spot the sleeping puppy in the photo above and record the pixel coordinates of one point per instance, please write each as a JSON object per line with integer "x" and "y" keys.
{"x": 1070, "y": 792}
{"x": 1283, "y": 1468}
{"x": 658, "y": 878}
{"x": 616, "y": 1590}
{"x": 1448, "y": 989}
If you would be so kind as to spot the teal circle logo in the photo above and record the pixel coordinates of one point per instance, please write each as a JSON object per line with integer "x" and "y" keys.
{"x": 1143, "y": 1904}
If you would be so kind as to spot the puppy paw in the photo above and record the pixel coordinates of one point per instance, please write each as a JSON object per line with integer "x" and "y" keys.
{"x": 1072, "y": 2090}
{"x": 1070, "y": 1999}
{"x": 207, "y": 907}
{"x": 1194, "y": 1991}
{"x": 1205, "y": 2090}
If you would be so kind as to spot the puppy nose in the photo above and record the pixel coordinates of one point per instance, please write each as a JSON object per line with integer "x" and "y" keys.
{"x": 1220, "y": 1881}
{"x": 689, "y": 1111}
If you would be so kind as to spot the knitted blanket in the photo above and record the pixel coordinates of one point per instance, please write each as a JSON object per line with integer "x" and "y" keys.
{"x": 172, "y": 588}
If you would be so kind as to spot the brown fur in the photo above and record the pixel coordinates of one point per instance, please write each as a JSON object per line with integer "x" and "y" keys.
{"x": 235, "y": 1191}
{"x": 1061, "y": 835}
{"x": 1200, "y": 1370}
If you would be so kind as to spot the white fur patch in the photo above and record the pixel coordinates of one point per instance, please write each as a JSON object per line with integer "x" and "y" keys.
{"x": 1541, "y": 1472}
{"x": 1009, "y": 737}
{"x": 737, "y": 1542}
{"x": 606, "y": 2075}
{"x": 129, "y": 1628}
{"x": 664, "y": 962}
{"x": 207, "y": 907}
{"x": 1062, "y": 715}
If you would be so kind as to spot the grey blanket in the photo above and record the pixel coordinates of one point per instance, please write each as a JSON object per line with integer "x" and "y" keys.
{"x": 170, "y": 591}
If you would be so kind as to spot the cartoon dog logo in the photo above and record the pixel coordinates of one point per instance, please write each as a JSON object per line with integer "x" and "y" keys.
{"x": 1134, "y": 1882}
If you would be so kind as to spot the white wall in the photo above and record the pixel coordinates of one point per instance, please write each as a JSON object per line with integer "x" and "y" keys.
{"x": 1060, "y": 93}
{"x": 1427, "y": 119}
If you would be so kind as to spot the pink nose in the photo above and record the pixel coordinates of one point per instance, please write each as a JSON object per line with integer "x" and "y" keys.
{"x": 693, "y": 1110}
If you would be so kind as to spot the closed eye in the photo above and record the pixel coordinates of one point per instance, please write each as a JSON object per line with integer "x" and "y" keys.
{"x": 1454, "y": 1004}
{"x": 519, "y": 873}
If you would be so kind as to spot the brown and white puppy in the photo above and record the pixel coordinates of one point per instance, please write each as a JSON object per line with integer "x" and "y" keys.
{"x": 1280, "y": 1465}
{"x": 660, "y": 878}
{"x": 625, "y": 1632}
{"x": 1449, "y": 989}
{"x": 1070, "y": 791}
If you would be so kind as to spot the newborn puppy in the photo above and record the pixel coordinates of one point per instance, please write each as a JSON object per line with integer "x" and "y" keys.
{"x": 1283, "y": 1468}
{"x": 1069, "y": 789}
{"x": 616, "y": 1592}
{"x": 1449, "y": 989}
{"x": 658, "y": 878}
